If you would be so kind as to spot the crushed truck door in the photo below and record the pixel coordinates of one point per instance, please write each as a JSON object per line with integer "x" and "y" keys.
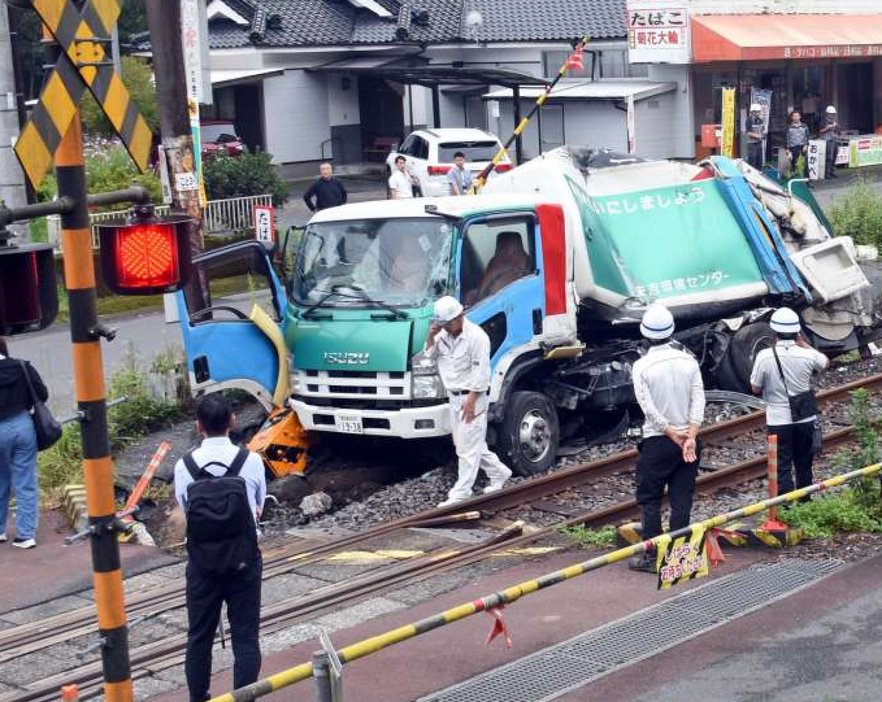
{"x": 234, "y": 340}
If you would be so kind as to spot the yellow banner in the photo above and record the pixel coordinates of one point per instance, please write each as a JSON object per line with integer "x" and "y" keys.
{"x": 684, "y": 558}
{"x": 728, "y": 140}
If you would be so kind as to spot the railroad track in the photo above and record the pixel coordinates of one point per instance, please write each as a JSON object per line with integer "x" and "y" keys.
{"x": 160, "y": 655}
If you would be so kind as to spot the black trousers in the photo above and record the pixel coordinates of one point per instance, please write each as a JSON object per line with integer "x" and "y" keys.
{"x": 755, "y": 155}
{"x": 794, "y": 451}
{"x": 830, "y": 162}
{"x": 661, "y": 464}
{"x": 205, "y": 595}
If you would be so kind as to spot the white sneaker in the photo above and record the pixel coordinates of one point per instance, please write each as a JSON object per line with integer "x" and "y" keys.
{"x": 452, "y": 501}
{"x": 497, "y": 485}
{"x": 24, "y": 543}
{"x": 3, "y": 538}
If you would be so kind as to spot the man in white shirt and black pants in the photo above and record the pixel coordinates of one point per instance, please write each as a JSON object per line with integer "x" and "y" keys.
{"x": 668, "y": 386}
{"x": 462, "y": 350}
{"x": 221, "y": 489}
{"x": 798, "y": 363}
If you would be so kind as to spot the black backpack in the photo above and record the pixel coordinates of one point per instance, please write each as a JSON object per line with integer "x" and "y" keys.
{"x": 221, "y": 533}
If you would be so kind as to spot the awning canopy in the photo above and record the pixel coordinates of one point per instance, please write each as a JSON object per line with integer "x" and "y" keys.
{"x": 762, "y": 37}
{"x": 591, "y": 90}
{"x": 222, "y": 78}
{"x": 429, "y": 75}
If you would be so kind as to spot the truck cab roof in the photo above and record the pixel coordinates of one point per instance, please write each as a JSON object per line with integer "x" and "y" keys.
{"x": 416, "y": 207}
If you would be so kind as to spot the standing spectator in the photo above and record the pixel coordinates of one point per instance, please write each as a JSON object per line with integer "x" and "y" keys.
{"x": 459, "y": 177}
{"x": 221, "y": 489}
{"x": 830, "y": 134}
{"x": 756, "y": 135}
{"x": 797, "y": 139}
{"x": 325, "y": 192}
{"x": 18, "y": 447}
{"x": 462, "y": 351}
{"x": 668, "y": 386}
{"x": 780, "y": 374}
{"x": 400, "y": 182}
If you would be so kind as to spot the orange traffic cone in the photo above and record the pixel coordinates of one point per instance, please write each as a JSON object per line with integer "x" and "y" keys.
{"x": 70, "y": 693}
{"x": 714, "y": 552}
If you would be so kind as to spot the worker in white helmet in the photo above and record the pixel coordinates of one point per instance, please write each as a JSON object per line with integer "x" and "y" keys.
{"x": 668, "y": 386}
{"x": 782, "y": 374}
{"x": 756, "y": 137}
{"x": 462, "y": 352}
{"x": 829, "y": 132}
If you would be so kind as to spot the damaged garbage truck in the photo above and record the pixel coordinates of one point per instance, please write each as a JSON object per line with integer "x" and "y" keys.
{"x": 557, "y": 261}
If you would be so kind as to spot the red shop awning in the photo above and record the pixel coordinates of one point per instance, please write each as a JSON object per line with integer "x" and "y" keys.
{"x": 762, "y": 37}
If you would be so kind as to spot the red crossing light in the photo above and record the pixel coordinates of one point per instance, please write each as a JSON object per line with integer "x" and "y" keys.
{"x": 145, "y": 257}
{"x": 28, "y": 288}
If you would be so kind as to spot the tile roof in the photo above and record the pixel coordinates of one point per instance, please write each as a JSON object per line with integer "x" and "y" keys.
{"x": 301, "y": 23}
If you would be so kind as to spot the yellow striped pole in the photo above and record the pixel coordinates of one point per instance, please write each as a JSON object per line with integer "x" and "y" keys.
{"x": 377, "y": 643}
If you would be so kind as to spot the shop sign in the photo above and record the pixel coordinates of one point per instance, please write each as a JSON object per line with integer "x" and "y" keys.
{"x": 264, "y": 224}
{"x": 728, "y": 145}
{"x": 658, "y": 31}
{"x": 866, "y": 151}
{"x": 817, "y": 159}
{"x": 821, "y": 52}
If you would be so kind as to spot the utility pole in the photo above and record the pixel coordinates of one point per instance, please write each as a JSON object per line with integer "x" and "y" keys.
{"x": 164, "y": 22}
{"x": 12, "y": 183}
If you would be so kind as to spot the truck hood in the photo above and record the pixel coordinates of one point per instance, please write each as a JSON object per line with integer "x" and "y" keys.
{"x": 350, "y": 345}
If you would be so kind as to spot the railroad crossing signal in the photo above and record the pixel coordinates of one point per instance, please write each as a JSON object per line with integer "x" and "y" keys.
{"x": 83, "y": 36}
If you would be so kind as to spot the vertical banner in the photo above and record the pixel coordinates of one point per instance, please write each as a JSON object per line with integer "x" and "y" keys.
{"x": 632, "y": 126}
{"x": 816, "y": 159}
{"x": 728, "y": 140}
{"x": 192, "y": 48}
{"x": 196, "y": 129}
{"x": 763, "y": 98}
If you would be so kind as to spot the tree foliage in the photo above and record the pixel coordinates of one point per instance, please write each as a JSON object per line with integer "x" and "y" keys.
{"x": 138, "y": 78}
{"x": 247, "y": 174}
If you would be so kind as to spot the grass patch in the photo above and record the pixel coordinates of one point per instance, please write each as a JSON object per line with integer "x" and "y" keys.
{"x": 858, "y": 214}
{"x": 590, "y": 538}
{"x": 823, "y": 517}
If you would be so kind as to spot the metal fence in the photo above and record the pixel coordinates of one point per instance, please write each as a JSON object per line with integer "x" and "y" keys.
{"x": 232, "y": 214}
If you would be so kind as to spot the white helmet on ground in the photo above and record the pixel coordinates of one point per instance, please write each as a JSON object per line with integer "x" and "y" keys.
{"x": 785, "y": 321}
{"x": 447, "y": 309}
{"x": 658, "y": 322}
{"x": 831, "y": 110}
{"x": 756, "y": 107}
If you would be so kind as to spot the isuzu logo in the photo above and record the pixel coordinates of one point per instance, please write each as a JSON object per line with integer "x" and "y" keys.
{"x": 339, "y": 358}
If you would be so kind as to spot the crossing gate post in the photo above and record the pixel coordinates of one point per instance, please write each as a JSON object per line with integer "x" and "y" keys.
{"x": 773, "y": 476}
{"x": 327, "y": 669}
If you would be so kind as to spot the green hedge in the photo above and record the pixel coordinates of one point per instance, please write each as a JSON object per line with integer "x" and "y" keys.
{"x": 239, "y": 176}
{"x": 858, "y": 214}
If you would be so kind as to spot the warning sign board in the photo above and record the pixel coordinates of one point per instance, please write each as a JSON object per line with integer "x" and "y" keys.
{"x": 84, "y": 36}
{"x": 681, "y": 559}
{"x": 265, "y": 224}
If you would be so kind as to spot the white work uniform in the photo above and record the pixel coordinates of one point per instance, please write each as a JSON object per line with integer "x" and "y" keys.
{"x": 400, "y": 185}
{"x": 221, "y": 450}
{"x": 799, "y": 365}
{"x": 464, "y": 366}
{"x": 668, "y": 386}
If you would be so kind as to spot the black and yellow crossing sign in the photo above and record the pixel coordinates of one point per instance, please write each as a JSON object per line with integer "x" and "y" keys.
{"x": 83, "y": 63}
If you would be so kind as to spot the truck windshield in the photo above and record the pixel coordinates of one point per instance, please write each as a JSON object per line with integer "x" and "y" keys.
{"x": 401, "y": 262}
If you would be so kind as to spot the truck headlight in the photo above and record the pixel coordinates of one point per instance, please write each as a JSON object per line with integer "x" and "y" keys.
{"x": 423, "y": 365}
{"x": 428, "y": 387}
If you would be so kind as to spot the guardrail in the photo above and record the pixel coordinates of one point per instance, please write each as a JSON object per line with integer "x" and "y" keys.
{"x": 231, "y": 214}
{"x": 364, "y": 648}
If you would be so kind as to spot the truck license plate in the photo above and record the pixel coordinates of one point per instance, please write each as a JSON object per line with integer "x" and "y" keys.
{"x": 348, "y": 424}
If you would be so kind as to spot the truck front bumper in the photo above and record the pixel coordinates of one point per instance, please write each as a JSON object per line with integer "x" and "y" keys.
{"x": 407, "y": 423}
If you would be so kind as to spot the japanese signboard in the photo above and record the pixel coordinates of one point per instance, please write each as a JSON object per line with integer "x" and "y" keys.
{"x": 194, "y": 39}
{"x": 815, "y": 157}
{"x": 265, "y": 224}
{"x": 728, "y": 145}
{"x": 658, "y": 31}
{"x": 664, "y": 243}
{"x": 865, "y": 151}
{"x": 682, "y": 559}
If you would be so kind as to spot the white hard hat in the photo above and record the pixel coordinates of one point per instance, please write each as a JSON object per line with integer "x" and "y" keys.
{"x": 447, "y": 309}
{"x": 658, "y": 322}
{"x": 785, "y": 321}
{"x": 756, "y": 107}
{"x": 831, "y": 110}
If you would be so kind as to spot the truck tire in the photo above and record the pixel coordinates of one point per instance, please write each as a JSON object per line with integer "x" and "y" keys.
{"x": 528, "y": 436}
{"x": 734, "y": 372}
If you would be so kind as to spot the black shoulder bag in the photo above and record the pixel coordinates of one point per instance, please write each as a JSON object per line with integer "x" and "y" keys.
{"x": 45, "y": 425}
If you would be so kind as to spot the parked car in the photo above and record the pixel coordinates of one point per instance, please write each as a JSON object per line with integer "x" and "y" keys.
{"x": 219, "y": 136}
{"x": 429, "y": 154}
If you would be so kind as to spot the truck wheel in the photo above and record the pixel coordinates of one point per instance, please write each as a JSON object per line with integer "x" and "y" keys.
{"x": 528, "y": 435}
{"x": 734, "y": 373}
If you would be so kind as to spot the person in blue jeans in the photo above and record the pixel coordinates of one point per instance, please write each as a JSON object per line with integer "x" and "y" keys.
{"x": 18, "y": 448}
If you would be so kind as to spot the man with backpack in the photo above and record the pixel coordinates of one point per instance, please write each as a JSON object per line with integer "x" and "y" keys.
{"x": 221, "y": 489}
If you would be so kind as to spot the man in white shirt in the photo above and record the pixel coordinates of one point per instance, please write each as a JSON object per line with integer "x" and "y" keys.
{"x": 799, "y": 362}
{"x": 668, "y": 386}
{"x": 462, "y": 352}
{"x": 459, "y": 177}
{"x": 240, "y": 587}
{"x": 400, "y": 185}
